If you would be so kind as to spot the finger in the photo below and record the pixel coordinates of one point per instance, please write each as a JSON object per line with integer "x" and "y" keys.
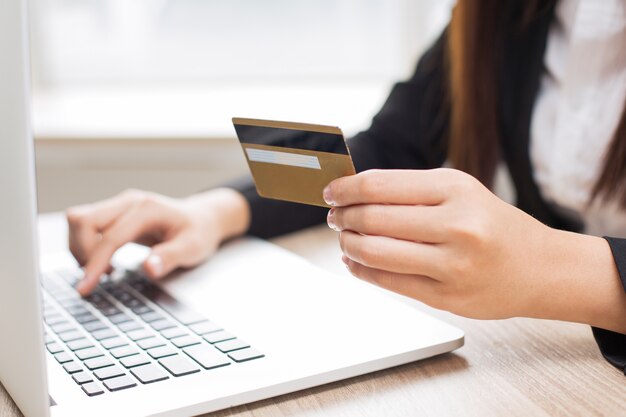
{"x": 86, "y": 222}
{"x": 391, "y": 254}
{"x": 103, "y": 213}
{"x": 413, "y": 223}
{"x": 82, "y": 238}
{"x": 181, "y": 251}
{"x": 415, "y": 286}
{"x": 426, "y": 187}
{"x": 126, "y": 228}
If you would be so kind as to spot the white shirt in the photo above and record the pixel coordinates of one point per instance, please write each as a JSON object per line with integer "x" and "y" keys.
{"x": 580, "y": 102}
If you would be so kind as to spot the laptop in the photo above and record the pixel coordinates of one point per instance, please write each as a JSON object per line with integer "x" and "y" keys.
{"x": 253, "y": 322}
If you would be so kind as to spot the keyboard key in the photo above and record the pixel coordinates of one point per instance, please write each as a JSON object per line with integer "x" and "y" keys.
{"x": 119, "y": 383}
{"x": 70, "y": 301}
{"x": 64, "y": 326}
{"x": 162, "y": 324}
{"x": 123, "y": 351}
{"x": 151, "y": 316}
{"x": 134, "y": 302}
{"x": 173, "y": 332}
{"x": 103, "y": 334}
{"x": 82, "y": 378}
{"x": 231, "y": 345}
{"x": 96, "y": 298}
{"x": 178, "y": 310}
{"x": 150, "y": 343}
{"x": 94, "y": 325}
{"x": 71, "y": 335}
{"x": 70, "y": 276}
{"x": 113, "y": 342}
{"x": 110, "y": 310}
{"x": 48, "y": 306}
{"x": 108, "y": 285}
{"x": 79, "y": 344}
{"x": 244, "y": 355}
{"x": 129, "y": 326}
{"x": 52, "y": 319}
{"x": 142, "y": 309}
{"x": 142, "y": 285}
{"x": 97, "y": 363}
{"x": 139, "y": 334}
{"x": 148, "y": 374}
{"x": 204, "y": 327}
{"x": 184, "y": 341}
{"x": 63, "y": 357}
{"x": 109, "y": 372}
{"x": 206, "y": 356}
{"x": 161, "y": 352}
{"x": 178, "y": 365}
{"x": 54, "y": 348}
{"x": 124, "y": 296}
{"x": 91, "y": 389}
{"x": 120, "y": 318}
{"x": 86, "y": 318}
{"x": 101, "y": 303}
{"x": 72, "y": 367}
{"x": 135, "y": 360}
{"x": 67, "y": 298}
{"x": 77, "y": 310}
{"x": 88, "y": 353}
{"x": 217, "y": 337}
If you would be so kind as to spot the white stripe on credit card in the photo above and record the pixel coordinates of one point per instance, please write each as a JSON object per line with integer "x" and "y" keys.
{"x": 283, "y": 158}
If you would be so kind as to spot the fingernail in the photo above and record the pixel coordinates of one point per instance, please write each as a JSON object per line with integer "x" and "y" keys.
{"x": 328, "y": 196}
{"x": 346, "y": 263}
{"x": 330, "y": 219}
{"x": 155, "y": 264}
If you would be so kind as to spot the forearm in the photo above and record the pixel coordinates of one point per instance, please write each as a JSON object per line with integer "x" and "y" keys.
{"x": 582, "y": 283}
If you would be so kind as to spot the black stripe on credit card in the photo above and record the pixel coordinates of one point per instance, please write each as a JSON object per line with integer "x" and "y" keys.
{"x": 292, "y": 138}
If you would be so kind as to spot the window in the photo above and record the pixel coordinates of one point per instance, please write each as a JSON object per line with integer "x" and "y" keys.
{"x": 79, "y": 42}
{"x": 168, "y": 70}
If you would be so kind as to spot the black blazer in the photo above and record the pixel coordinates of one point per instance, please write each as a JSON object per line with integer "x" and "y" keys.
{"x": 409, "y": 133}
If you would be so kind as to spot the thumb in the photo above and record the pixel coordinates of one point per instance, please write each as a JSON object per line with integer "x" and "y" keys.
{"x": 169, "y": 255}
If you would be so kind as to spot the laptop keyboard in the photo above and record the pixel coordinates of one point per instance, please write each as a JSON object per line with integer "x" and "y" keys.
{"x": 130, "y": 332}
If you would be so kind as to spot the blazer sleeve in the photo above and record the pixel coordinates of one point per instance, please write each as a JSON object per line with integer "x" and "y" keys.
{"x": 408, "y": 132}
{"x": 612, "y": 344}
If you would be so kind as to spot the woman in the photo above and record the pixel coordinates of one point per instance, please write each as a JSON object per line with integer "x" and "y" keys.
{"x": 538, "y": 84}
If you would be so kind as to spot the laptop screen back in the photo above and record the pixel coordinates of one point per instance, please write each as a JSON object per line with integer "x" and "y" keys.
{"x": 22, "y": 363}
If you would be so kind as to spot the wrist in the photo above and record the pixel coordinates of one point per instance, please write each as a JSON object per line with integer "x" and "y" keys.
{"x": 581, "y": 281}
{"x": 226, "y": 211}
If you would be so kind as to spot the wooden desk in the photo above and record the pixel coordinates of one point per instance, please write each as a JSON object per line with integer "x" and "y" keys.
{"x": 517, "y": 367}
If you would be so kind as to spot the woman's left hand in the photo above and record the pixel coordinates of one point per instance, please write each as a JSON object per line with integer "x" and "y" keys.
{"x": 441, "y": 237}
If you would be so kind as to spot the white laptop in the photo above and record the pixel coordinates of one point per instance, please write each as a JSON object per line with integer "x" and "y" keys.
{"x": 253, "y": 322}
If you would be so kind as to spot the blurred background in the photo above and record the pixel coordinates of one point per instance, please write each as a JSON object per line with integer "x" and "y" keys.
{"x": 140, "y": 93}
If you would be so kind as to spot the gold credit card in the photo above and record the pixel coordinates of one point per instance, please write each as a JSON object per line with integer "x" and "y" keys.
{"x": 293, "y": 161}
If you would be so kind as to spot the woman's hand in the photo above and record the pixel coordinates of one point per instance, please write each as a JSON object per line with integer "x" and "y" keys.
{"x": 181, "y": 232}
{"x": 443, "y": 238}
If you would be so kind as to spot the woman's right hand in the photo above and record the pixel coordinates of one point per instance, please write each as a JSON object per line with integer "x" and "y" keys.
{"x": 181, "y": 232}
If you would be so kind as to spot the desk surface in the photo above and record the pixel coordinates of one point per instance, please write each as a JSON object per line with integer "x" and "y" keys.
{"x": 517, "y": 367}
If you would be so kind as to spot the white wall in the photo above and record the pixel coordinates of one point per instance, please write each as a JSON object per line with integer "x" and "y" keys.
{"x": 73, "y": 172}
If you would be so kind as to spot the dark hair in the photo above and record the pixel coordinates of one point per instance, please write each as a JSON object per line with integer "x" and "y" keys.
{"x": 472, "y": 61}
